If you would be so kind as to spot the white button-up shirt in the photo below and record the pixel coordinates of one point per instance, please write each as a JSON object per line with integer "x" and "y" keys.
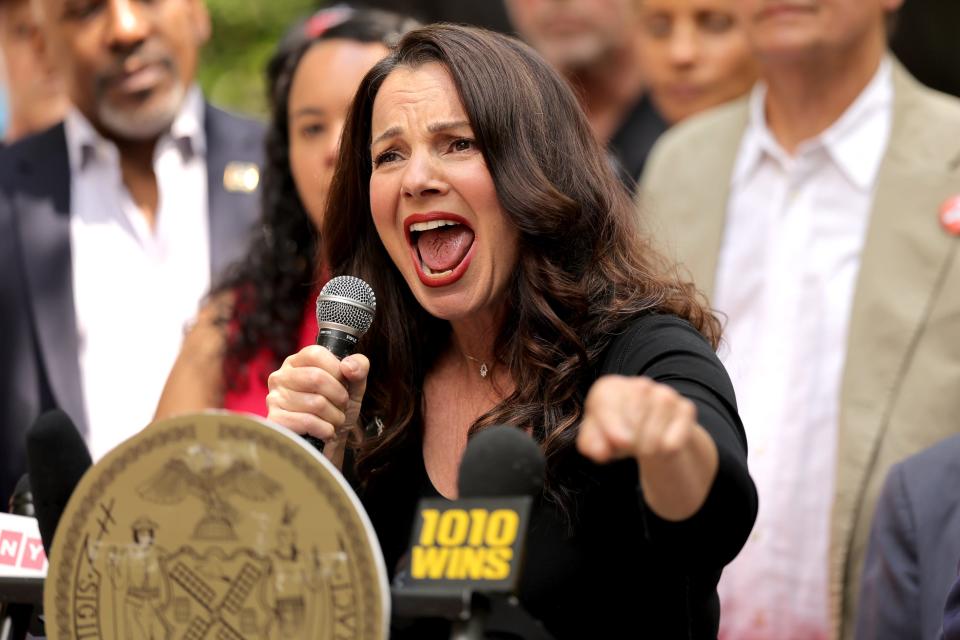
{"x": 785, "y": 280}
{"x": 135, "y": 287}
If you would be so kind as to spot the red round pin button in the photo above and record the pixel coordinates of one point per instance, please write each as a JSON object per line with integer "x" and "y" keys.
{"x": 950, "y": 215}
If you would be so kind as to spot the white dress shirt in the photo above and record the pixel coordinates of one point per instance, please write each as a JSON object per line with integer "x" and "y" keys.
{"x": 135, "y": 287}
{"x": 785, "y": 281}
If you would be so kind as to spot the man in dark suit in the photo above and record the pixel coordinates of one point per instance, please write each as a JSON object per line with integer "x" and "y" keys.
{"x": 114, "y": 222}
{"x": 914, "y": 547}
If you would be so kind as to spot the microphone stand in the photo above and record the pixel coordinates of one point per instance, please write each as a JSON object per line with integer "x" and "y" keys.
{"x": 16, "y": 614}
{"x": 473, "y": 627}
{"x": 466, "y": 610}
{"x": 471, "y": 613}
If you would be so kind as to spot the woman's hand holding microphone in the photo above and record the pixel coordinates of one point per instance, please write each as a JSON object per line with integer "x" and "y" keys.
{"x": 314, "y": 393}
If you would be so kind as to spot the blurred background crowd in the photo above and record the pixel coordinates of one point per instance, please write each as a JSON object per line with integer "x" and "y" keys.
{"x": 656, "y": 80}
{"x": 231, "y": 70}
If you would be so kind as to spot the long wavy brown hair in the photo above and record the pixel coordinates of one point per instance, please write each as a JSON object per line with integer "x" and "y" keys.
{"x": 585, "y": 268}
{"x": 274, "y": 280}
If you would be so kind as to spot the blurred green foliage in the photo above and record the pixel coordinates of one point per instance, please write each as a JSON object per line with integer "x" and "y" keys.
{"x": 245, "y": 33}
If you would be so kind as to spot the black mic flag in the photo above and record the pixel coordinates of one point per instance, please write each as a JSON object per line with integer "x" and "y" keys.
{"x": 476, "y": 541}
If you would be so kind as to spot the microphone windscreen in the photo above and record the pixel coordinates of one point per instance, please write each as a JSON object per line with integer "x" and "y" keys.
{"x": 501, "y": 461}
{"x": 21, "y": 500}
{"x": 347, "y": 301}
{"x": 57, "y": 458}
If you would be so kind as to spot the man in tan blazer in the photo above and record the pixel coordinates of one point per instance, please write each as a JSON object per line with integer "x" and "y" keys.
{"x": 820, "y": 217}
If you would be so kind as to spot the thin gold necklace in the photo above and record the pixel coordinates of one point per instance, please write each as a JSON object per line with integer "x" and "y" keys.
{"x": 484, "y": 370}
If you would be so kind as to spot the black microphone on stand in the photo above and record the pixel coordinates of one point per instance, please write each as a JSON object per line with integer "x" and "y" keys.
{"x": 466, "y": 555}
{"x": 57, "y": 458}
{"x": 15, "y": 616}
{"x": 21, "y": 501}
{"x": 501, "y": 461}
{"x": 345, "y": 309}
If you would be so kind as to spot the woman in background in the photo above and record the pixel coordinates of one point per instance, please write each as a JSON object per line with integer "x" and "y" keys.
{"x": 263, "y": 310}
{"x": 694, "y": 55}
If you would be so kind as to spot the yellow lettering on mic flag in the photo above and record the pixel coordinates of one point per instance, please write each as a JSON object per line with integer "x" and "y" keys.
{"x": 461, "y": 563}
{"x": 472, "y": 542}
{"x": 215, "y": 526}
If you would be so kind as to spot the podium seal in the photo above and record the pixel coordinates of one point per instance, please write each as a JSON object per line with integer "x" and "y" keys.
{"x": 218, "y": 526}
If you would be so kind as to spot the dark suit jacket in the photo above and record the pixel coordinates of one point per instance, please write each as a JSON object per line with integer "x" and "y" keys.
{"x": 914, "y": 547}
{"x": 39, "y": 366}
{"x": 633, "y": 140}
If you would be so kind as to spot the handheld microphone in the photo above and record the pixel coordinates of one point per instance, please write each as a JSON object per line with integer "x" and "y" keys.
{"x": 57, "y": 458}
{"x": 345, "y": 309}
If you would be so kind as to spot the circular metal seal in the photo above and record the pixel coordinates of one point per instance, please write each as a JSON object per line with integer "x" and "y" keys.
{"x": 215, "y": 525}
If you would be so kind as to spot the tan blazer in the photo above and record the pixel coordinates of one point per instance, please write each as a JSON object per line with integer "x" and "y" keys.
{"x": 901, "y": 381}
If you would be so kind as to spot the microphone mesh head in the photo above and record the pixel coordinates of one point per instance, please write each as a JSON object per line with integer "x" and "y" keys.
{"x": 348, "y": 301}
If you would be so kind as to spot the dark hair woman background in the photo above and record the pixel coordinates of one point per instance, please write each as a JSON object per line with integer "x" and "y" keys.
{"x": 263, "y": 310}
{"x": 514, "y": 285}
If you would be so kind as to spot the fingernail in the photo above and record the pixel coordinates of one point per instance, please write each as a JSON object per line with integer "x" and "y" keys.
{"x": 351, "y": 366}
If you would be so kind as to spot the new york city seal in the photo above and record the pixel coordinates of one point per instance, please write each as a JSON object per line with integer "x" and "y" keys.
{"x": 215, "y": 525}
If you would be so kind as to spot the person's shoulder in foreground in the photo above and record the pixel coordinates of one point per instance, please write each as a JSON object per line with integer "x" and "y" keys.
{"x": 914, "y": 547}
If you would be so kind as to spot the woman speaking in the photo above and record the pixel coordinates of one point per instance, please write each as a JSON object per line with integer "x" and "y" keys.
{"x": 514, "y": 286}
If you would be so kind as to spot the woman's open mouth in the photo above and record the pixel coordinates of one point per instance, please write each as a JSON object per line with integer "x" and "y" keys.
{"x": 441, "y": 245}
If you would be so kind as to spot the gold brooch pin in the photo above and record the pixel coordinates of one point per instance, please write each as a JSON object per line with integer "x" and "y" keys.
{"x": 242, "y": 177}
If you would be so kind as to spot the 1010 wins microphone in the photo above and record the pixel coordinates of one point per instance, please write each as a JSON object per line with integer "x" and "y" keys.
{"x": 466, "y": 555}
{"x": 345, "y": 309}
{"x": 501, "y": 461}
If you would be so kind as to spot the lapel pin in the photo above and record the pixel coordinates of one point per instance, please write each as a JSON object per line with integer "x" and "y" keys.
{"x": 241, "y": 177}
{"x": 950, "y": 215}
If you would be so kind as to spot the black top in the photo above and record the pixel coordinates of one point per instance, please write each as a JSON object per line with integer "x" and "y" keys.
{"x": 617, "y": 568}
{"x": 633, "y": 140}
